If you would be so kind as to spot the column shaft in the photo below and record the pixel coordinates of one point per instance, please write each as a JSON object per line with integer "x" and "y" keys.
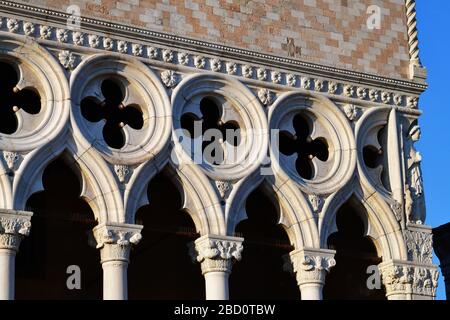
{"x": 115, "y": 284}
{"x": 217, "y": 285}
{"x": 7, "y": 274}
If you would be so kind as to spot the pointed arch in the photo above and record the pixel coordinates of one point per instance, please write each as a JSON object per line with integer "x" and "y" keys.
{"x": 380, "y": 224}
{"x": 99, "y": 187}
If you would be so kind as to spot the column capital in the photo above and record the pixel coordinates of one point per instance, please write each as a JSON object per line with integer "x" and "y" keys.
{"x": 312, "y": 265}
{"x": 217, "y": 253}
{"x": 115, "y": 239}
{"x": 413, "y": 280}
{"x": 14, "y": 225}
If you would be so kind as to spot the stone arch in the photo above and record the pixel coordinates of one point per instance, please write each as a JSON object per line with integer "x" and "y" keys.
{"x": 99, "y": 188}
{"x": 45, "y": 74}
{"x": 381, "y": 225}
{"x": 198, "y": 196}
{"x": 295, "y": 215}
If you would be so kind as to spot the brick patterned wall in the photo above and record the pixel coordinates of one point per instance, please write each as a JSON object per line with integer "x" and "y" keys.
{"x": 332, "y": 32}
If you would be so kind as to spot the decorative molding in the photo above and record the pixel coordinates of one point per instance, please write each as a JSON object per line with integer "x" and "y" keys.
{"x": 217, "y": 253}
{"x": 147, "y": 36}
{"x": 169, "y": 78}
{"x": 14, "y": 225}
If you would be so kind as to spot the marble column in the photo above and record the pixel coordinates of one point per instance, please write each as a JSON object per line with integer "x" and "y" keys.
{"x": 311, "y": 267}
{"x": 14, "y": 225}
{"x": 115, "y": 241}
{"x": 216, "y": 255}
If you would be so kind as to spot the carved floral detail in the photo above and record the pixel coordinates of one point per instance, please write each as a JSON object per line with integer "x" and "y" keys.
{"x": 305, "y": 83}
{"x": 78, "y": 38}
{"x": 265, "y": 96}
{"x": 137, "y": 49}
{"x": 374, "y": 95}
{"x": 361, "y": 93}
{"x": 216, "y": 65}
{"x": 332, "y": 87}
{"x": 62, "y": 35}
{"x": 291, "y": 79}
{"x": 152, "y": 52}
{"x": 225, "y": 188}
{"x": 122, "y": 46}
{"x": 12, "y": 25}
{"x": 386, "y": 97}
{"x": 351, "y": 111}
{"x": 261, "y": 74}
{"x": 167, "y": 55}
{"x": 12, "y": 159}
{"x": 169, "y": 78}
{"x": 318, "y": 84}
{"x": 349, "y": 90}
{"x": 398, "y": 99}
{"x": 108, "y": 44}
{"x": 397, "y": 208}
{"x": 183, "y": 58}
{"x": 316, "y": 202}
{"x": 276, "y": 77}
{"x": 412, "y": 102}
{"x": 46, "y": 32}
{"x": 94, "y": 41}
{"x": 247, "y": 71}
{"x": 311, "y": 268}
{"x": 123, "y": 172}
{"x": 231, "y": 68}
{"x": 28, "y": 28}
{"x": 67, "y": 59}
{"x": 199, "y": 62}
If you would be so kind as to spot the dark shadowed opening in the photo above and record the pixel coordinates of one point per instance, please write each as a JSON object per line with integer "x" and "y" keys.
{"x": 60, "y": 230}
{"x": 260, "y": 273}
{"x": 354, "y": 254}
{"x": 161, "y": 267}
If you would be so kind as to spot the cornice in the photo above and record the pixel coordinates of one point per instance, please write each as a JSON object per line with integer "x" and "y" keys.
{"x": 149, "y": 37}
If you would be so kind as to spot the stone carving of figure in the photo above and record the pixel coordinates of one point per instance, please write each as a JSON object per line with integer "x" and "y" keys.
{"x": 415, "y": 181}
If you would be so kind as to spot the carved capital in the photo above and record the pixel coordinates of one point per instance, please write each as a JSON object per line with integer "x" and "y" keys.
{"x": 217, "y": 253}
{"x": 14, "y": 225}
{"x": 312, "y": 265}
{"x": 409, "y": 279}
{"x": 115, "y": 240}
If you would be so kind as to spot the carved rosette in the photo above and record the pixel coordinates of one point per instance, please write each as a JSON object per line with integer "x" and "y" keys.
{"x": 312, "y": 266}
{"x": 217, "y": 253}
{"x": 115, "y": 240}
{"x": 14, "y": 226}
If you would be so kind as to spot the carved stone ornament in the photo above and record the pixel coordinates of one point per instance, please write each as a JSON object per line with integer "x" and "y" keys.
{"x": 115, "y": 240}
{"x": 199, "y": 62}
{"x": 225, "y": 188}
{"x": 217, "y": 253}
{"x": 312, "y": 266}
{"x": 351, "y": 111}
{"x": 397, "y": 208}
{"x": 67, "y": 59}
{"x": 396, "y": 278}
{"x": 169, "y": 78}
{"x": 231, "y": 68}
{"x": 14, "y": 225}
{"x": 12, "y": 160}
{"x": 216, "y": 65}
{"x": 419, "y": 245}
{"x": 316, "y": 202}
{"x": 265, "y": 96}
{"x": 123, "y": 172}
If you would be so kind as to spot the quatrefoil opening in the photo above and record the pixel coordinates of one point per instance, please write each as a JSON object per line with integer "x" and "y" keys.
{"x": 113, "y": 111}
{"x": 209, "y": 127}
{"x": 13, "y": 99}
{"x": 305, "y": 147}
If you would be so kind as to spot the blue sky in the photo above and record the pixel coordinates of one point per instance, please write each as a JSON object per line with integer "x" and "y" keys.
{"x": 434, "y": 39}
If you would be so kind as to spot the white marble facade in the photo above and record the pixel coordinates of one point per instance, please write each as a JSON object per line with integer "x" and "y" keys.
{"x": 65, "y": 66}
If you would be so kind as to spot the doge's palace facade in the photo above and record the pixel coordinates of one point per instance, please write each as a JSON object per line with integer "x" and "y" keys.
{"x": 325, "y": 95}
